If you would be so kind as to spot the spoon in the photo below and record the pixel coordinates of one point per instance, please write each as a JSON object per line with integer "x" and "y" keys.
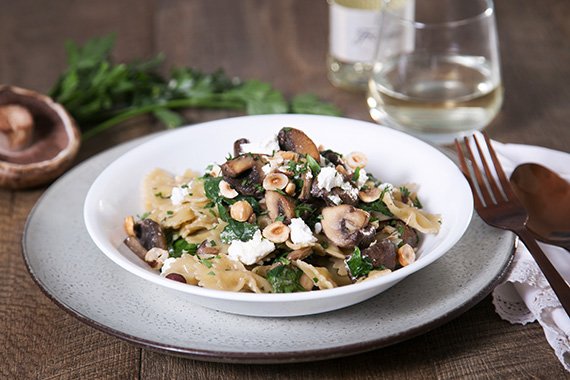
{"x": 546, "y": 197}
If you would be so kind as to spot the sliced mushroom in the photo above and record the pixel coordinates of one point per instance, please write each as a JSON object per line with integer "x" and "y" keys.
{"x": 38, "y": 138}
{"x": 279, "y": 205}
{"x": 249, "y": 179}
{"x": 408, "y": 234}
{"x": 383, "y": 253}
{"x": 176, "y": 277}
{"x": 205, "y": 249}
{"x": 305, "y": 193}
{"x": 369, "y": 194}
{"x": 333, "y": 157}
{"x": 236, "y": 166}
{"x": 150, "y": 234}
{"x": 237, "y": 146}
{"x": 368, "y": 236}
{"x": 297, "y": 141}
{"x": 344, "y": 224}
{"x": 134, "y": 245}
{"x": 300, "y": 254}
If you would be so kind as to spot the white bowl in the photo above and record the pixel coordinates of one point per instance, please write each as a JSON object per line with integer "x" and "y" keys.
{"x": 392, "y": 157}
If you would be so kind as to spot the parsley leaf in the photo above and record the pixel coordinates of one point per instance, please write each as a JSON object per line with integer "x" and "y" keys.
{"x": 238, "y": 231}
{"x": 180, "y": 246}
{"x": 313, "y": 165}
{"x": 100, "y": 94}
{"x": 285, "y": 279}
{"x": 358, "y": 265}
{"x": 212, "y": 188}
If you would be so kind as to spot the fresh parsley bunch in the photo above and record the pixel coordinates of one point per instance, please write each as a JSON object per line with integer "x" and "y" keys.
{"x": 100, "y": 94}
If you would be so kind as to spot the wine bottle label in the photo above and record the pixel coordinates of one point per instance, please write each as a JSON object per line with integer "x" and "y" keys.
{"x": 353, "y": 33}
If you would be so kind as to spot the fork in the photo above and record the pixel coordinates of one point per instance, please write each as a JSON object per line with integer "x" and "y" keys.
{"x": 498, "y": 206}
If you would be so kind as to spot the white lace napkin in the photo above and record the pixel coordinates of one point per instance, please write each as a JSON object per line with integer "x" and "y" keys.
{"x": 526, "y": 296}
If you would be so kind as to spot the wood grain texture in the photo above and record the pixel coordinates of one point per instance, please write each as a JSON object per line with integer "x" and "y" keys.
{"x": 285, "y": 43}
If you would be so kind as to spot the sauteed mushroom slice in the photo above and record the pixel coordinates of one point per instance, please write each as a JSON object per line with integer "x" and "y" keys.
{"x": 408, "y": 234}
{"x": 237, "y": 146}
{"x": 236, "y": 166}
{"x": 150, "y": 234}
{"x": 344, "y": 224}
{"x": 383, "y": 253}
{"x": 245, "y": 174}
{"x": 305, "y": 193}
{"x": 297, "y": 141}
{"x": 279, "y": 205}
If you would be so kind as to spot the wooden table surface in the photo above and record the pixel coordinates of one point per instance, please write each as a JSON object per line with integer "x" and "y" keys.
{"x": 284, "y": 43}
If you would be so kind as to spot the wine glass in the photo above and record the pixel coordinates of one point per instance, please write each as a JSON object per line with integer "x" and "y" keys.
{"x": 436, "y": 70}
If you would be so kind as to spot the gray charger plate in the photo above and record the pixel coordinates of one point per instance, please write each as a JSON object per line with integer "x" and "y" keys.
{"x": 79, "y": 278}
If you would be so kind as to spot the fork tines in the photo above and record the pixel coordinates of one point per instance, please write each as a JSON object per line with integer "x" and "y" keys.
{"x": 486, "y": 188}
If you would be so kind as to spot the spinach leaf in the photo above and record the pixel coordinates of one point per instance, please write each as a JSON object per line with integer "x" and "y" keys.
{"x": 285, "y": 279}
{"x": 358, "y": 265}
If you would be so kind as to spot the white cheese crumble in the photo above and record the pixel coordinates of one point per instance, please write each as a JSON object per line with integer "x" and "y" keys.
{"x": 251, "y": 251}
{"x": 266, "y": 147}
{"x": 329, "y": 178}
{"x": 266, "y": 169}
{"x": 300, "y": 232}
{"x": 318, "y": 228}
{"x": 177, "y": 195}
{"x": 388, "y": 186}
{"x": 335, "y": 199}
{"x": 167, "y": 264}
{"x": 362, "y": 178}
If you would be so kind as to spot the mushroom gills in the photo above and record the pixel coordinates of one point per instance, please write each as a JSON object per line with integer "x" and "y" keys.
{"x": 345, "y": 225}
{"x": 279, "y": 205}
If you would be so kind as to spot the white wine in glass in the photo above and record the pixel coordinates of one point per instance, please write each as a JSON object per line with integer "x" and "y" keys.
{"x": 444, "y": 83}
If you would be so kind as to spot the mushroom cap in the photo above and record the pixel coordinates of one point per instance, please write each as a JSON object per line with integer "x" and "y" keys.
{"x": 297, "y": 141}
{"x": 344, "y": 224}
{"x": 53, "y": 146}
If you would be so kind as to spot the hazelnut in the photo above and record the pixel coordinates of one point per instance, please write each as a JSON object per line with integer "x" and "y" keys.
{"x": 406, "y": 255}
{"x": 156, "y": 257}
{"x": 241, "y": 211}
{"x": 277, "y": 232}
{"x": 275, "y": 181}
{"x": 129, "y": 225}
{"x": 356, "y": 160}
{"x": 226, "y": 190}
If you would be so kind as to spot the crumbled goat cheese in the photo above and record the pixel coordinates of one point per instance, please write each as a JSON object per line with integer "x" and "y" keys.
{"x": 266, "y": 147}
{"x": 251, "y": 251}
{"x": 177, "y": 195}
{"x": 329, "y": 178}
{"x": 300, "y": 232}
{"x": 335, "y": 199}
{"x": 318, "y": 228}
{"x": 362, "y": 178}
{"x": 387, "y": 186}
{"x": 167, "y": 264}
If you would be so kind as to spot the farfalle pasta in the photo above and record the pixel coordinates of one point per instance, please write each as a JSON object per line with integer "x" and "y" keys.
{"x": 278, "y": 217}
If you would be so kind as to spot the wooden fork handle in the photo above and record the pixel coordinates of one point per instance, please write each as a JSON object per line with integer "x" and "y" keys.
{"x": 558, "y": 284}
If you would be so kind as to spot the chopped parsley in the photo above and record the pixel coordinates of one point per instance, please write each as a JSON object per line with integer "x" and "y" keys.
{"x": 169, "y": 212}
{"x": 358, "y": 265}
{"x": 206, "y": 262}
{"x": 144, "y": 216}
{"x": 212, "y": 188}
{"x": 313, "y": 165}
{"x": 180, "y": 246}
{"x": 285, "y": 279}
{"x": 162, "y": 196}
{"x": 238, "y": 231}
{"x": 417, "y": 203}
{"x": 356, "y": 174}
